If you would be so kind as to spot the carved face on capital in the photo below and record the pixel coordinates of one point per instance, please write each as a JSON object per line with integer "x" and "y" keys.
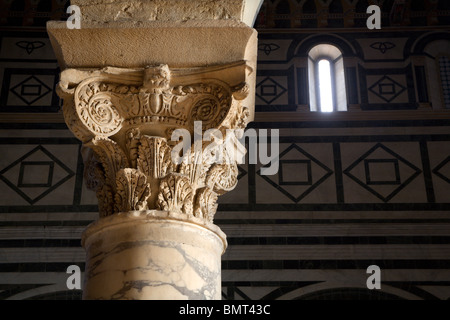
{"x": 157, "y": 78}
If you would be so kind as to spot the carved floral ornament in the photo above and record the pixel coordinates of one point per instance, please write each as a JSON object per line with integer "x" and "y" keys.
{"x": 125, "y": 118}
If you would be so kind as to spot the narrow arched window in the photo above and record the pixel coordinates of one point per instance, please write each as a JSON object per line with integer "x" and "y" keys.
{"x": 325, "y": 83}
{"x": 326, "y": 79}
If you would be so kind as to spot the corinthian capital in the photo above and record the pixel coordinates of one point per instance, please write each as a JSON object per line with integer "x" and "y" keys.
{"x": 125, "y": 119}
{"x": 135, "y": 74}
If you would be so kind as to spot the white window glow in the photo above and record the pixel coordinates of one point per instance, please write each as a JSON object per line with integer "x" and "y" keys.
{"x": 326, "y": 93}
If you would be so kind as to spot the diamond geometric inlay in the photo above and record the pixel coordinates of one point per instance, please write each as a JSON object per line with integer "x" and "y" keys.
{"x": 387, "y": 89}
{"x": 382, "y": 172}
{"x": 30, "y": 90}
{"x": 36, "y": 174}
{"x": 41, "y": 172}
{"x": 242, "y": 173}
{"x": 299, "y": 173}
{"x": 443, "y": 170}
{"x": 269, "y": 90}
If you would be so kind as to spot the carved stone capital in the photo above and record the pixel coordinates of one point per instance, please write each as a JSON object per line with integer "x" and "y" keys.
{"x": 157, "y": 100}
{"x": 125, "y": 118}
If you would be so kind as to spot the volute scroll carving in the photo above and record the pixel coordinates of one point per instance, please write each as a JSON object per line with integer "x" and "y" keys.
{"x": 101, "y": 103}
{"x": 126, "y": 117}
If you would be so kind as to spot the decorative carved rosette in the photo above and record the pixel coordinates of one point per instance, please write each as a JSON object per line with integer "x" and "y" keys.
{"x": 126, "y": 117}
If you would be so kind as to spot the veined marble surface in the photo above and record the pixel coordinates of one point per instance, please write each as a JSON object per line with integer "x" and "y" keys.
{"x": 141, "y": 255}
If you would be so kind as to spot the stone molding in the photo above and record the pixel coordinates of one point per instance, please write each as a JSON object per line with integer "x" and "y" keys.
{"x": 151, "y": 215}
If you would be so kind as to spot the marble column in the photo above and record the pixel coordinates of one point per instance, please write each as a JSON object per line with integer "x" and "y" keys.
{"x": 141, "y": 81}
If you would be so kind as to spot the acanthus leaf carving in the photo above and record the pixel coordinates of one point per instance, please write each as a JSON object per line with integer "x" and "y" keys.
{"x": 195, "y": 166}
{"x": 95, "y": 180}
{"x": 133, "y": 143}
{"x": 94, "y": 175}
{"x": 154, "y": 157}
{"x": 175, "y": 194}
{"x": 105, "y": 196}
{"x": 132, "y": 191}
{"x": 222, "y": 178}
{"x": 205, "y": 205}
{"x": 237, "y": 118}
{"x": 127, "y": 116}
{"x": 111, "y": 156}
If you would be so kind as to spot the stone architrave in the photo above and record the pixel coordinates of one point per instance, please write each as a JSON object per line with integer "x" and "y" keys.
{"x": 133, "y": 74}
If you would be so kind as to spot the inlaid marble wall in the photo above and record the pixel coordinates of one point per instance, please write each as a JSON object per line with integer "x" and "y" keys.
{"x": 350, "y": 192}
{"x": 384, "y": 70}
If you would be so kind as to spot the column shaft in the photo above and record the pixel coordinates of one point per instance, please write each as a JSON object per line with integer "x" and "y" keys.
{"x": 152, "y": 255}
{"x": 135, "y": 75}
